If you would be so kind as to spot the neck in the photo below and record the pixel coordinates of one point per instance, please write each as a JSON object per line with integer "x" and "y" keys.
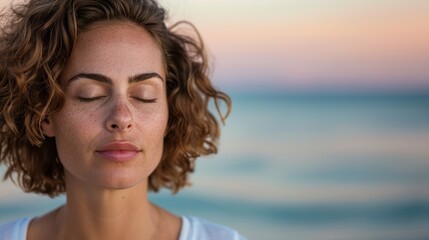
{"x": 96, "y": 213}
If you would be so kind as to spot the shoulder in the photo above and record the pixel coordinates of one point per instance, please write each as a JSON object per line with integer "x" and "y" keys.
{"x": 197, "y": 228}
{"x": 15, "y": 230}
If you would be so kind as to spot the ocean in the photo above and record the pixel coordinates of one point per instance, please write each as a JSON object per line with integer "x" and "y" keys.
{"x": 304, "y": 166}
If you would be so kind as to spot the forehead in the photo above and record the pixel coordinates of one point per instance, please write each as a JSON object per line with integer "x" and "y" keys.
{"x": 113, "y": 47}
{"x": 116, "y": 33}
{"x": 116, "y": 30}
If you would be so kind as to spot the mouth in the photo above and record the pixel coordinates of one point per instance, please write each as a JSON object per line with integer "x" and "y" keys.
{"x": 118, "y": 151}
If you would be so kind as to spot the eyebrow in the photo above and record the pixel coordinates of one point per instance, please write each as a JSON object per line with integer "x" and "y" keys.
{"x": 144, "y": 76}
{"x": 105, "y": 79}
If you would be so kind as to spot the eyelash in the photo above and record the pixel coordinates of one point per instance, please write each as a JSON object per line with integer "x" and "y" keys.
{"x": 145, "y": 100}
{"x": 82, "y": 99}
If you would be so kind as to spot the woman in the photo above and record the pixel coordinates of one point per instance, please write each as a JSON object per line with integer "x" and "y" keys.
{"x": 102, "y": 102}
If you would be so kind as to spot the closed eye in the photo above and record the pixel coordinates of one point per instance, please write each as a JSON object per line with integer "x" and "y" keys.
{"x": 91, "y": 99}
{"x": 144, "y": 100}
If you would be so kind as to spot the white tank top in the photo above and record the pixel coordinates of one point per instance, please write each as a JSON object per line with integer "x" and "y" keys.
{"x": 193, "y": 228}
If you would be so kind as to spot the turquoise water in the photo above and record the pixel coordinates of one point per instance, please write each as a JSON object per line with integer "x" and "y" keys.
{"x": 320, "y": 166}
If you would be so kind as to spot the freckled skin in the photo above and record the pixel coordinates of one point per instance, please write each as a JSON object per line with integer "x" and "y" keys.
{"x": 117, "y": 51}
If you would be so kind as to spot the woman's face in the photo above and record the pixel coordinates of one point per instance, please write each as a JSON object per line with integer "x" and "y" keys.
{"x": 110, "y": 131}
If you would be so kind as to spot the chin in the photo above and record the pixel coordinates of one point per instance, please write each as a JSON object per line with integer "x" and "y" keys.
{"x": 120, "y": 182}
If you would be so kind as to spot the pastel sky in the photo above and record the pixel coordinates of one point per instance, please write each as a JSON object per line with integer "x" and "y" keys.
{"x": 313, "y": 44}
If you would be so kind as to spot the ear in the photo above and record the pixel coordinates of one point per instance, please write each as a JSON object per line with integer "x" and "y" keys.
{"x": 47, "y": 127}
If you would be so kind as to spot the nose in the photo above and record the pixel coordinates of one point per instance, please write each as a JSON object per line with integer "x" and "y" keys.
{"x": 120, "y": 117}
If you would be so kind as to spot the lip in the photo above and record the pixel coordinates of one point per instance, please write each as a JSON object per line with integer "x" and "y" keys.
{"x": 118, "y": 151}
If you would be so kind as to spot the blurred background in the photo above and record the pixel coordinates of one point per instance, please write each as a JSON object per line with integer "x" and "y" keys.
{"x": 329, "y": 133}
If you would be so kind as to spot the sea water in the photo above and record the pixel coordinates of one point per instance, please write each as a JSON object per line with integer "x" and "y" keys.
{"x": 308, "y": 166}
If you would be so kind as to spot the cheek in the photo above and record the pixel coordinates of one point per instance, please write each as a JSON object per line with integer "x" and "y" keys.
{"x": 161, "y": 121}
{"x": 153, "y": 121}
{"x": 73, "y": 130}
{"x": 71, "y": 121}
{"x": 152, "y": 129}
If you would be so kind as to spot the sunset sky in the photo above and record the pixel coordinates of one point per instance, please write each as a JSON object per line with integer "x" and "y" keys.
{"x": 313, "y": 44}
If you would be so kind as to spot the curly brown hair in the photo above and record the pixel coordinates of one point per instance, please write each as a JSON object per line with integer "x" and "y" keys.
{"x": 36, "y": 41}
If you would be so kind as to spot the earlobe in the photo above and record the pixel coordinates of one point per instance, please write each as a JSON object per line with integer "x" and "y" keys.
{"x": 47, "y": 127}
